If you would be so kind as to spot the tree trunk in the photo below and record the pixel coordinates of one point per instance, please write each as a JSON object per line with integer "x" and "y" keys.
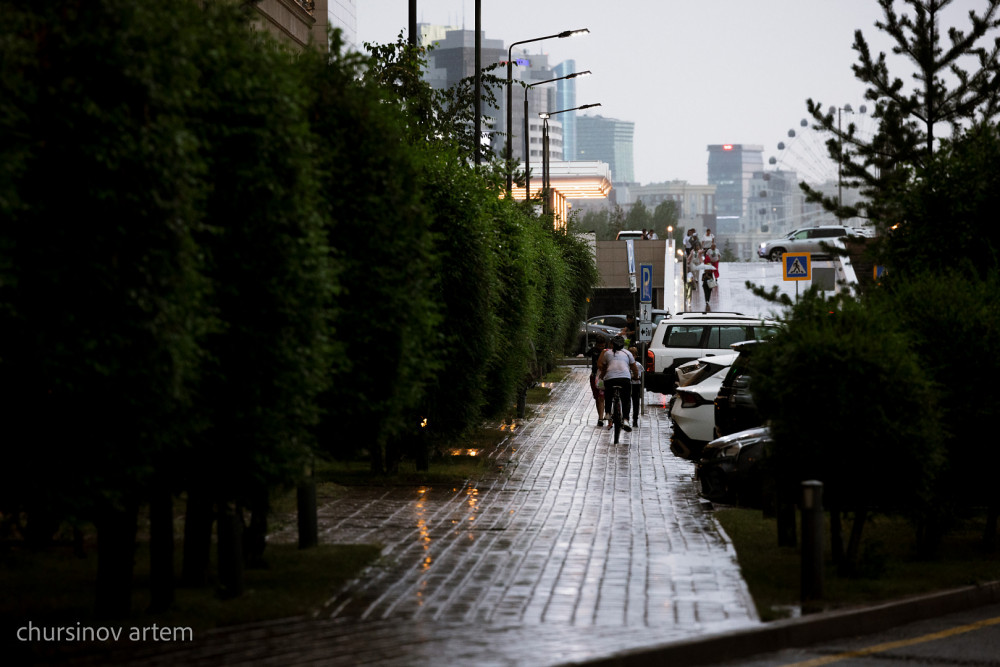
{"x": 161, "y": 549}
{"x": 116, "y": 532}
{"x": 836, "y": 535}
{"x": 787, "y": 492}
{"x": 308, "y": 521}
{"x": 522, "y": 401}
{"x": 230, "y": 552}
{"x": 849, "y": 565}
{"x": 197, "y": 539}
{"x": 255, "y": 535}
{"x": 990, "y": 531}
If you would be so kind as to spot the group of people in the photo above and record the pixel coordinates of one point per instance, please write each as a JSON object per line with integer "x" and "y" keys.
{"x": 649, "y": 235}
{"x": 702, "y": 262}
{"x": 611, "y": 365}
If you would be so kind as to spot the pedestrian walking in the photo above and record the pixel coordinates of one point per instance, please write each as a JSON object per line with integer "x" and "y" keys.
{"x": 600, "y": 344}
{"x": 696, "y": 267}
{"x": 712, "y": 256}
{"x": 636, "y": 387}
{"x": 708, "y": 283}
{"x": 691, "y": 242}
{"x": 628, "y": 331}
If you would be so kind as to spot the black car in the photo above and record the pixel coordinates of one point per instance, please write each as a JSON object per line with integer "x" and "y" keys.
{"x": 606, "y": 325}
{"x": 735, "y": 409}
{"x": 729, "y": 469}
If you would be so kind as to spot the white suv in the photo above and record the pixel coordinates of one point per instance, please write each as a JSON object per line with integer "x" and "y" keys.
{"x": 687, "y": 336}
{"x": 805, "y": 240}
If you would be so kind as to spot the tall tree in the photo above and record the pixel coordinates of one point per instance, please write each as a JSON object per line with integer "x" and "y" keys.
{"x": 639, "y": 217}
{"x": 666, "y": 214}
{"x": 956, "y": 84}
{"x": 101, "y": 286}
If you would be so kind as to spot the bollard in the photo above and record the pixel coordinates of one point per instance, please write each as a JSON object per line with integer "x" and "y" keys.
{"x": 812, "y": 544}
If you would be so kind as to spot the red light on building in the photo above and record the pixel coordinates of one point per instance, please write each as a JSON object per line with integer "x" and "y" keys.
{"x": 727, "y": 147}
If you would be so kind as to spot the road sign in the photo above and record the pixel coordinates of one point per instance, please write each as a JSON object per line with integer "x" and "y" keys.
{"x": 878, "y": 271}
{"x": 645, "y": 332}
{"x": 630, "y": 250}
{"x": 645, "y": 283}
{"x": 797, "y": 266}
{"x": 645, "y": 312}
{"x": 631, "y": 283}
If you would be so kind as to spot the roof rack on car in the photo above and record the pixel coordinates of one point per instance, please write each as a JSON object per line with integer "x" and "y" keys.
{"x": 709, "y": 312}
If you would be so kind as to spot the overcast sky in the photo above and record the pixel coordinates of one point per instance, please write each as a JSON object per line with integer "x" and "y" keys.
{"x": 688, "y": 73}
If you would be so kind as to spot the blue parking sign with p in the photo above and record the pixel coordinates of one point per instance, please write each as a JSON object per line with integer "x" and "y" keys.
{"x": 645, "y": 283}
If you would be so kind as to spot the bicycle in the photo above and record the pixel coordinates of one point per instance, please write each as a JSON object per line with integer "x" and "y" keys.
{"x": 616, "y": 412}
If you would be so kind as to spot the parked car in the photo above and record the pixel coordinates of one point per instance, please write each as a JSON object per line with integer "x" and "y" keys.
{"x": 692, "y": 411}
{"x": 607, "y": 325}
{"x": 685, "y": 337}
{"x": 625, "y": 234}
{"x": 809, "y": 239}
{"x": 729, "y": 469}
{"x": 735, "y": 409}
{"x": 659, "y": 314}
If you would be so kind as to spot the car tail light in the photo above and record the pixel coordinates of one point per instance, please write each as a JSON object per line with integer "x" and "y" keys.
{"x": 650, "y": 361}
{"x": 689, "y": 399}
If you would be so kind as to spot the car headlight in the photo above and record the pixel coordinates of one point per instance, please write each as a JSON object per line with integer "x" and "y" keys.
{"x": 730, "y": 451}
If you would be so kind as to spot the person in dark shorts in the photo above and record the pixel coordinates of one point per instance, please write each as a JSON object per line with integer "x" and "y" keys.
{"x": 600, "y": 344}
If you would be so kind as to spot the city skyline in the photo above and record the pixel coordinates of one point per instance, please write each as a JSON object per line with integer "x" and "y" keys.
{"x": 732, "y": 72}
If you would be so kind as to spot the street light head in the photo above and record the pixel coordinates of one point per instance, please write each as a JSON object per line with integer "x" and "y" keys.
{"x": 543, "y": 115}
{"x": 576, "y": 74}
{"x": 570, "y": 33}
{"x": 588, "y": 106}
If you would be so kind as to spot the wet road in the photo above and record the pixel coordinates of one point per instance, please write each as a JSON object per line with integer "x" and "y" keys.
{"x": 571, "y": 548}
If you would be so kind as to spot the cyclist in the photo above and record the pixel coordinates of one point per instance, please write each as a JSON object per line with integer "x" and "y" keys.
{"x": 617, "y": 368}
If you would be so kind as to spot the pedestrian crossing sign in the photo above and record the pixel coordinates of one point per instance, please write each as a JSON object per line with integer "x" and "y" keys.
{"x": 797, "y": 266}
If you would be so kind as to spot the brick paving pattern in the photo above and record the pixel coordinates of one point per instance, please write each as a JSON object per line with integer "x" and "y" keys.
{"x": 572, "y": 548}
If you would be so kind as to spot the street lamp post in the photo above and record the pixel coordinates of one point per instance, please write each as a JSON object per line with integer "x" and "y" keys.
{"x": 840, "y": 156}
{"x": 546, "y": 204}
{"x": 508, "y": 154}
{"x": 527, "y": 148}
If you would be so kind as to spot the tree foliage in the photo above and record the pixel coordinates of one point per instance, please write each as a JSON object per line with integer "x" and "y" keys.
{"x": 837, "y": 357}
{"x": 957, "y": 84}
{"x": 249, "y": 253}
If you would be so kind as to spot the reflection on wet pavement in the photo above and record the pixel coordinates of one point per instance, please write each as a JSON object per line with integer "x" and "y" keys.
{"x": 575, "y": 550}
{"x": 580, "y": 537}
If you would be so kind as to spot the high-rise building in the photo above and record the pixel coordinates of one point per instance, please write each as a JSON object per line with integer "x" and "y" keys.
{"x": 566, "y": 99}
{"x": 608, "y": 140}
{"x": 731, "y": 168}
{"x": 453, "y": 58}
{"x": 298, "y": 23}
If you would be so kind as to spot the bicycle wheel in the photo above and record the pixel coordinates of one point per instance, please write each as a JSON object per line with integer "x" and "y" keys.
{"x": 616, "y": 414}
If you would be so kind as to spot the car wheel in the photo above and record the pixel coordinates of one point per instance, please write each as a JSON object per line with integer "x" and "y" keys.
{"x": 776, "y": 254}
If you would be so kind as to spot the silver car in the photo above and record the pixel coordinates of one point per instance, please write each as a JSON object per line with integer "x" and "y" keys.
{"x": 809, "y": 239}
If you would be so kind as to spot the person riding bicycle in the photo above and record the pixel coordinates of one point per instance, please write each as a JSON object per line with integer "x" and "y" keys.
{"x": 617, "y": 368}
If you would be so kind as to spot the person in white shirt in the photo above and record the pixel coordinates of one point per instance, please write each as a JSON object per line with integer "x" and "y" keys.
{"x": 617, "y": 368}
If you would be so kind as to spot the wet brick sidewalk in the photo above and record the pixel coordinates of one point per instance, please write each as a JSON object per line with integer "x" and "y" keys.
{"x": 575, "y": 549}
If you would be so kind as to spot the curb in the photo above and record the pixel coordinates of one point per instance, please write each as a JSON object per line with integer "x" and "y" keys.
{"x": 806, "y": 630}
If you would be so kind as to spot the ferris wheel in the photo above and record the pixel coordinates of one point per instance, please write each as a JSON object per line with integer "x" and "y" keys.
{"x": 805, "y": 150}
{"x": 804, "y": 156}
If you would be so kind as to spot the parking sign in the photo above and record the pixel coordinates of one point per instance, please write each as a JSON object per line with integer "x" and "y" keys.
{"x": 645, "y": 283}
